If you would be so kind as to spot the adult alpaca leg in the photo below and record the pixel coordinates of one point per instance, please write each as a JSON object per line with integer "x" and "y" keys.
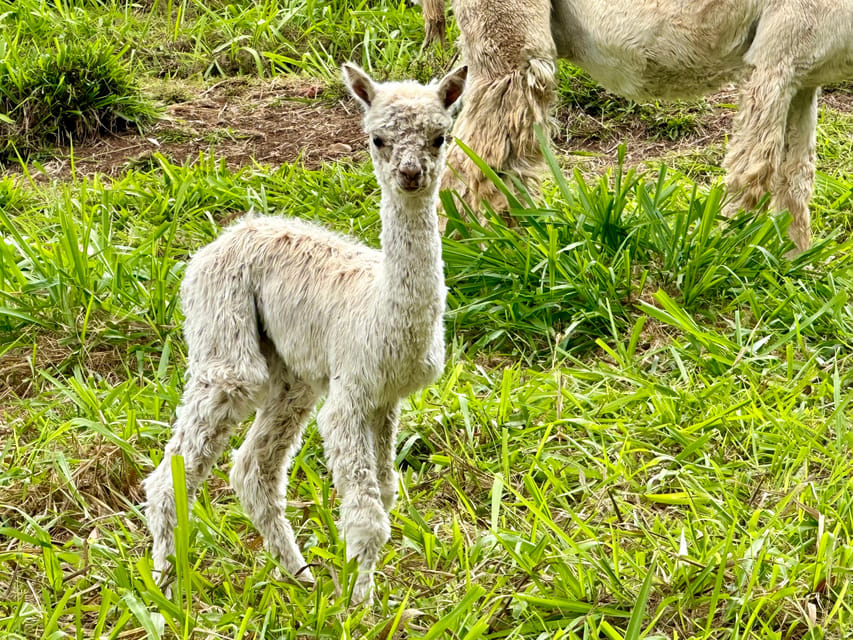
{"x": 259, "y": 474}
{"x": 350, "y": 454}
{"x": 435, "y": 23}
{"x": 772, "y": 147}
{"x": 755, "y": 150}
{"x": 795, "y": 182}
{"x": 510, "y": 88}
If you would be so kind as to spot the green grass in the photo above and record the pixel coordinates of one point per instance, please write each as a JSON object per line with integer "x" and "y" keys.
{"x": 65, "y": 93}
{"x": 642, "y": 430}
{"x": 592, "y": 113}
{"x": 575, "y": 270}
{"x": 180, "y": 38}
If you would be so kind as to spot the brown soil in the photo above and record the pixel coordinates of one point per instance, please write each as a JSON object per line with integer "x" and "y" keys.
{"x": 582, "y": 140}
{"x": 241, "y": 122}
{"x": 592, "y": 144}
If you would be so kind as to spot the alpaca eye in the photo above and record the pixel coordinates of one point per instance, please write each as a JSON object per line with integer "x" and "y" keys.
{"x": 439, "y": 140}
{"x": 378, "y": 142}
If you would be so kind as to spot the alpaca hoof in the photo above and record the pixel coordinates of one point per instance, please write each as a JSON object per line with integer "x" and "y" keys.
{"x": 730, "y": 209}
{"x": 163, "y": 579}
{"x": 302, "y": 575}
{"x": 362, "y": 592}
{"x": 794, "y": 253}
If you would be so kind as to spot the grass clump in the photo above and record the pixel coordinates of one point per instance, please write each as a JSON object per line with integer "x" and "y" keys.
{"x": 68, "y": 93}
{"x": 581, "y": 265}
{"x": 192, "y": 37}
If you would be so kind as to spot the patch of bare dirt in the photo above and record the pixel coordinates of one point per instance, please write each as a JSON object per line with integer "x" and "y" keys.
{"x": 237, "y": 120}
{"x": 244, "y": 121}
{"x": 592, "y": 143}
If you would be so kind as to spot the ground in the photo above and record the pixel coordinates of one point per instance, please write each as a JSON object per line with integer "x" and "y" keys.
{"x": 245, "y": 121}
{"x": 241, "y": 121}
{"x": 694, "y": 411}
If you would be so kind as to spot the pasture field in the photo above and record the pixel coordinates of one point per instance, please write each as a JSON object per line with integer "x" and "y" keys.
{"x": 643, "y": 429}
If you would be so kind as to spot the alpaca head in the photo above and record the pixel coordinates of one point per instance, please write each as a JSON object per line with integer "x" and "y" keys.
{"x": 408, "y": 125}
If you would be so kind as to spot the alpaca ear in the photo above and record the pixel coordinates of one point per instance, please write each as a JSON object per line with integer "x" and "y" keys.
{"x": 451, "y": 86}
{"x": 359, "y": 83}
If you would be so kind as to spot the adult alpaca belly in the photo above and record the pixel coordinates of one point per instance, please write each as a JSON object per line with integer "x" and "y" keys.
{"x": 645, "y": 49}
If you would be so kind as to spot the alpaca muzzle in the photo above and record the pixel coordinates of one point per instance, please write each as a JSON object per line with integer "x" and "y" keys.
{"x": 409, "y": 177}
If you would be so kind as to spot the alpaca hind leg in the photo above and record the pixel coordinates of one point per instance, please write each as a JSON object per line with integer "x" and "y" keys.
{"x": 226, "y": 376}
{"x": 435, "y": 24}
{"x": 209, "y": 410}
{"x": 755, "y": 151}
{"x": 350, "y": 454}
{"x": 795, "y": 182}
{"x": 259, "y": 474}
{"x": 510, "y": 89}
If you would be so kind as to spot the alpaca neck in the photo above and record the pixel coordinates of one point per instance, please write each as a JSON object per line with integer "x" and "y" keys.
{"x": 411, "y": 251}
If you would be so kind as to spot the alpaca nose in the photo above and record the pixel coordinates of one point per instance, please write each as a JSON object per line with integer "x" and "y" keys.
{"x": 410, "y": 171}
{"x": 410, "y": 174}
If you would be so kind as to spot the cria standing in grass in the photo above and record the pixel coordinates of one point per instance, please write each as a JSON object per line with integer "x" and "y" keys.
{"x": 280, "y": 311}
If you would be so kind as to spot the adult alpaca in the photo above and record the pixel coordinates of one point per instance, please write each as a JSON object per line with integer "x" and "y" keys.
{"x": 780, "y": 51}
{"x": 280, "y": 312}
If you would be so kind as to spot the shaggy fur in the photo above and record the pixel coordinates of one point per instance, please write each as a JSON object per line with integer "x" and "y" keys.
{"x": 781, "y": 51}
{"x": 280, "y": 311}
{"x": 435, "y": 25}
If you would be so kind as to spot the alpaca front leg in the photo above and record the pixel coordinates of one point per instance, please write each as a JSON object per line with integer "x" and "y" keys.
{"x": 385, "y": 441}
{"x": 207, "y": 414}
{"x": 795, "y": 183}
{"x": 510, "y": 90}
{"x": 349, "y": 447}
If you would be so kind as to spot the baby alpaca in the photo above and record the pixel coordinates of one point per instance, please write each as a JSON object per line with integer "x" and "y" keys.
{"x": 280, "y": 311}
